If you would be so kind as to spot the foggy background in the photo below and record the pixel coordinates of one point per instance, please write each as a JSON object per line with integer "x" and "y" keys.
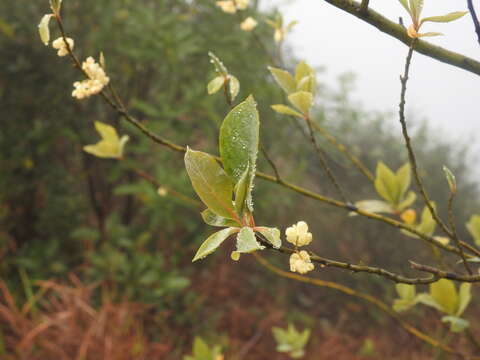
{"x": 445, "y": 95}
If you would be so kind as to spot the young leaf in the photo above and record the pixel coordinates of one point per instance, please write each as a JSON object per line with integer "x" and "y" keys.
{"x": 286, "y": 110}
{"x": 44, "y": 29}
{"x": 407, "y": 298}
{"x": 239, "y": 137}
{"x": 452, "y": 183}
{"x": 456, "y": 324}
{"x": 111, "y": 146}
{"x": 403, "y": 179}
{"x": 272, "y": 235}
{"x": 233, "y": 87}
{"x": 386, "y": 184}
{"x": 464, "y": 297}
{"x": 213, "y": 219}
{"x": 473, "y": 227}
{"x": 55, "y": 5}
{"x": 218, "y": 64}
{"x": 302, "y": 100}
{"x": 215, "y": 85}
{"x": 210, "y": 182}
{"x": 407, "y": 201}
{"x": 302, "y": 70}
{"x": 444, "y": 293}
{"x": 284, "y": 79}
{"x": 375, "y": 206}
{"x": 241, "y": 191}
{"x": 405, "y": 5}
{"x": 445, "y": 18}
{"x": 246, "y": 242}
{"x": 213, "y": 242}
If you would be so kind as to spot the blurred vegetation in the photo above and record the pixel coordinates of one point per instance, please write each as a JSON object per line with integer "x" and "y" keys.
{"x": 63, "y": 211}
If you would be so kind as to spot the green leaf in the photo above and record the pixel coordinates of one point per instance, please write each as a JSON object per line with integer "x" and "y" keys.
{"x": 403, "y": 176}
{"x": 473, "y": 227}
{"x": 407, "y": 299}
{"x": 284, "y": 79}
{"x": 272, "y": 235}
{"x": 302, "y": 70}
{"x": 56, "y": 5}
{"x": 200, "y": 349}
{"x": 456, "y": 324}
{"x": 213, "y": 242}
{"x": 233, "y": 87}
{"x": 428, "y": 300}
{"x": 210, "y": 182}
{"x": 444, "y": 293}
{"x": 405, "y": 5}
{"x": 427, "y": 224}
{"x": 452, "y": 182}
{"x": 375, "y": 206}
{"x": 409, "y": 200}
{"x": 241, "y": 192}
{"x": 44, "y": 29}
{"x": 215, "y": 85}
{"x": 307, "y": 84}
{"x": 464, "y": 297}
{"x": 302, "y": 100}
{"x": 386, "y": 184}
{"x": 445, "y": 18}
{"x": 218, "y": 64}
{"x": 111, "y": 146}
{"x": 239, "y": 137}
{"x": 213, "y": 219}
{"x": 430, "y": 34}
{"x": 286, "y": 110}
{"x": 246, "y": 242}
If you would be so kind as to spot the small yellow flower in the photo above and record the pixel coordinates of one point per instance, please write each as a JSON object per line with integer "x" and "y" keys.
{"x": 60, "y": 45}
{"x": 300, "y": 262}
{"x": 409, "y": 216}
{"x": 227, "y": 6}
{"x": 298, "y": 234}
{"x": 96, "y": 82}
{"x": 248, "y": 24}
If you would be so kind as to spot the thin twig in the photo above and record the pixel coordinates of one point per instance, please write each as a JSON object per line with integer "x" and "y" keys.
{"x": 344, "y": 150}
{"x": 444, "y": 274}
{"x": 408, "y": 144}
{"x": 270, "y": 161}
{"x": 324, "y": 262}
{"x": 323, "y": 160}
{"x": 364, "y": 6}
{"x": 451, "y": 221}
{"x": 473, "y": 14}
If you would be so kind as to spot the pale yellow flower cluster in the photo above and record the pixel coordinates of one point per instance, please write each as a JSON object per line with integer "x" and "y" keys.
{"x": 61, "y": 45}
{"x": 300, "y": 262}
{"x": 298, "y": 234}
{"x": 248, "y": 24}
{"x": 94, "y": 84}
{"x": 231, "y": 6}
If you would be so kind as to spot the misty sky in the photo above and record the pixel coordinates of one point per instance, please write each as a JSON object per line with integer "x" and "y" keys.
{"x": 447, "y": 96}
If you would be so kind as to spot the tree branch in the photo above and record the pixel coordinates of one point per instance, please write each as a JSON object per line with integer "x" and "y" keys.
{"x": 473, "y": 14}
{"x": 397, "y": 31}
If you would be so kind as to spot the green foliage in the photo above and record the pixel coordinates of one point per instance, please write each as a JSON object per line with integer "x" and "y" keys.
{"x": 210, "y": 182}
{"x": 473, "y": 227}
{"x": 201, "y": 351}
{"x": 444, "y": 297}
{"x": 426, "y": 225}
{"x": 291, "y": 341}
{"x": 111, "y": 146}
{"x": 393, "y": 186}
{"x": 300, "y": 89}
{"x": 213, "y": 242}
{"x": 407, "y": 297}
